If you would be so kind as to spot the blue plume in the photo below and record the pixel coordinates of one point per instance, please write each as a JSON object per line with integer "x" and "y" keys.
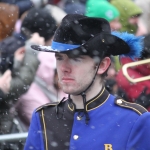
{"x": 134, "y": 42}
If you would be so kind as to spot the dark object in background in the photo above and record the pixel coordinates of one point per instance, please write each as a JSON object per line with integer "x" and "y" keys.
{"x": 75, "y": 6}
{"x": 112, "y": 87}
{"x": 146, "y": 50}
{"x": 143, "y": 99}
{"x": 75, "y": 1}
{"x": 7, "y": 49}
{"x": 109, "y": 85}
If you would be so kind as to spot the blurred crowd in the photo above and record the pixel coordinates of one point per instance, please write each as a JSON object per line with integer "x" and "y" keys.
{"x": 29, "y": 78}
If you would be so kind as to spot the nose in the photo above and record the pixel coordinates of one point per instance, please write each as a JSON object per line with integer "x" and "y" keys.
{"x": 65, "y": 67}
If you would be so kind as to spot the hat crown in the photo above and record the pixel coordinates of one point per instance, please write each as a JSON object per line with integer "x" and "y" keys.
{"x": 78, "y": 29}
{"x": 82, "y": 35}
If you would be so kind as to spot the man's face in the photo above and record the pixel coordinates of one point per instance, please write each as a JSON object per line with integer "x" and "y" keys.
{"x": 74, "y": 74}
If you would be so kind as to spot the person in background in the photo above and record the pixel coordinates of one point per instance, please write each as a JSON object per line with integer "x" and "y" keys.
{"x": 9, "y": 45}
{"x": 83, "y": 46}
{"x": 103, "y": 9}
{"x": 21, "y": 72}
{"x": 5, "y": 83}
{"x": 36, "y": 20}
{"x": 8, "y": 79}
{"x": 44, "y": 81}
{"x": 129, "y": 15}
{"x": 144, "y": 20}
{"x": 137, "y": 92}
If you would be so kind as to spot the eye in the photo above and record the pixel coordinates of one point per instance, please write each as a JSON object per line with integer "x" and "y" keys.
{"x": 77, "y": 59}
{"x": 59, "y": 57}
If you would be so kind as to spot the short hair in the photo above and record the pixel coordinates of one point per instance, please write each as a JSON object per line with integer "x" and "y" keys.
{"x": 39, "y": 20}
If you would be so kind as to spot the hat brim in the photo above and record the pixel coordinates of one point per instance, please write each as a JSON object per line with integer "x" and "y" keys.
{"x": 107, "y": 43}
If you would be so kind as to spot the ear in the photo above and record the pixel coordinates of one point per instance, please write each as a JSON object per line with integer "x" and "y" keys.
{"x": 104, "y": 65}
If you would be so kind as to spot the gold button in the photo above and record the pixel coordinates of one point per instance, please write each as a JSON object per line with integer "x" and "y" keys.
{"x": 79, "y": 118}
{"x": 75, "y": 137}
{"x": 119, "y": 101}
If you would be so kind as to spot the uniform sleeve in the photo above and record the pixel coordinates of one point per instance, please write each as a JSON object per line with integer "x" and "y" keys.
{"x": 139, "y": 138}
{"x": 34, "y": 140}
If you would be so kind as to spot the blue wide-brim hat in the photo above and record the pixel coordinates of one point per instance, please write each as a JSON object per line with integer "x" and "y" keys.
{"x": 81, "y": 35}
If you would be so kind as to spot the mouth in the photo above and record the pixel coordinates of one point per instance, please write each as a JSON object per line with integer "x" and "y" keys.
{"x": 67, "y": 79}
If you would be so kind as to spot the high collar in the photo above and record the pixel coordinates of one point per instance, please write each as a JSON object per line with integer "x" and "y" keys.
{"x": 94, "y": 103}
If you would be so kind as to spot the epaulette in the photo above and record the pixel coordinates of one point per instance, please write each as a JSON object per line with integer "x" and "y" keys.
{"x": 47, "y": 105}
{"x": 136, "y": 107}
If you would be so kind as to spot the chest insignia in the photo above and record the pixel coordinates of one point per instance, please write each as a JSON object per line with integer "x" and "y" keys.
{"x": 108, "y": 147}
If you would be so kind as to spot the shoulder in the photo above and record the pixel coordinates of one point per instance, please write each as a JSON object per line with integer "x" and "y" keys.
{"x": 132, "y": 106}
{"x": 48, "y": 105}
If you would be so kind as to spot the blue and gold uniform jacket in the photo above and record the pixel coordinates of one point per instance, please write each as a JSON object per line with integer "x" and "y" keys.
{"x": 114, "y": 125}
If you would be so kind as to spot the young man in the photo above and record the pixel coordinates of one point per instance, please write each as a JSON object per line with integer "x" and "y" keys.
{"x": 90, "y": 118}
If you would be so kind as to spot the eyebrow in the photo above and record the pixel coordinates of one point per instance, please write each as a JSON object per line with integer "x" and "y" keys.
{"x": 57, "y": 54}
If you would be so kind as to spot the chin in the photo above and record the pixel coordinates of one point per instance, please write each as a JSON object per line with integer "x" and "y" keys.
{"x": 71, "y": 91}
{"x": 68, "y": 91}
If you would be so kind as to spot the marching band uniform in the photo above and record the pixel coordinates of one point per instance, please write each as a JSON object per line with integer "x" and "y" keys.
{"x": 113, "y": 125}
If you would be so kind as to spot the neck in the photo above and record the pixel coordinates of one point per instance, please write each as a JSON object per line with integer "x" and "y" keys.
{"x": 92, "y": 92}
